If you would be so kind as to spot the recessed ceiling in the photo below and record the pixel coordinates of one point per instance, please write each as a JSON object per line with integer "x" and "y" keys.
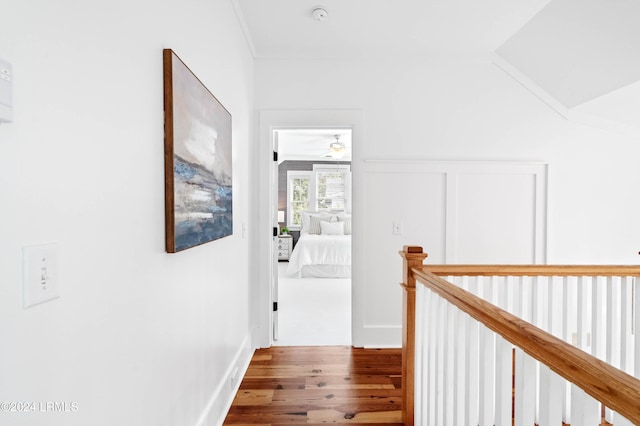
{"x": 354, "y": 28}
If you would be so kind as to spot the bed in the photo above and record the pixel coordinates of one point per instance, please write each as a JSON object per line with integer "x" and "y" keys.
{"x": 324, "y": 247}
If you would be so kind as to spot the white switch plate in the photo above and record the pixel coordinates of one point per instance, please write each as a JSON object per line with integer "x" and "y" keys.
{"x": 6, "y": 92}
{"x": 39, "y": 273}
{"x": 397, "y": 228}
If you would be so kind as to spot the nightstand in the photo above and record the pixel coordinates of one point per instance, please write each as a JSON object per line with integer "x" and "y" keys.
{"x": 285, "y": 245}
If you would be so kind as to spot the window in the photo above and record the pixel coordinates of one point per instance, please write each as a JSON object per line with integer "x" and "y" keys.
{"x": 331, "y": 187}
{"x": 327, "y": 187}
{"x": 298, "y": 196}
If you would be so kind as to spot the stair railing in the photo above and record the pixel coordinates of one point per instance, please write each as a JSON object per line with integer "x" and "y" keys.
{"x": 519, "y": 344}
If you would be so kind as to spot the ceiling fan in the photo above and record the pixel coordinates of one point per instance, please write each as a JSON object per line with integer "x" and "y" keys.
{"x": 337, "y": 149}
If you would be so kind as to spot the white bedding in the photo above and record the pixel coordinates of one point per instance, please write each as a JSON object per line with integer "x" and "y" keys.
{"x": 321, "y": 255}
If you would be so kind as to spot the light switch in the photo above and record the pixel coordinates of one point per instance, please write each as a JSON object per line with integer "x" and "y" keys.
{"x": 397, "y": 228}
{"x": 39, "y": 273}
{"x": 6, "y": 92}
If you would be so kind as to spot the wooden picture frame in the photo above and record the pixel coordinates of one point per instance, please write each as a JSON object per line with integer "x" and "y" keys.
{"x": 197, "y": 158}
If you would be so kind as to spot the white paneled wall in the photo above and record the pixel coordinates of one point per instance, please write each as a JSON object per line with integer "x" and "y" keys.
{"x": 463, "y": 212}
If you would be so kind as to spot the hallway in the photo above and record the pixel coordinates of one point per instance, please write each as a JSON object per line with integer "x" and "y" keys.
{"x": 316, "y": 385}
{"x": 313, "y": 311}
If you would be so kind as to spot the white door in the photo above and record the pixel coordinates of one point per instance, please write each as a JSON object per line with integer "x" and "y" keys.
{"x": 276, "y": 231}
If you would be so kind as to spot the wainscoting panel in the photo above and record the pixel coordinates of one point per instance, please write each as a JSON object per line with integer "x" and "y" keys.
{"x": 460, "y": 212}
{"x": 497, "y": 213}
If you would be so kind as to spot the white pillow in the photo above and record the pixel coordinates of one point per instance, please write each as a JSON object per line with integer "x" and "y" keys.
{"x": 332, "y": 228}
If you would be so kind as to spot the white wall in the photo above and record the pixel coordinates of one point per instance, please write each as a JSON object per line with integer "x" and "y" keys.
{"x": 138, "y": 337}
{"x": 463, "y": 108}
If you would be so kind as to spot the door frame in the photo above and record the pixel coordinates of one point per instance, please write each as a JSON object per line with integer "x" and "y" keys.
{"x": 270, "y": 120}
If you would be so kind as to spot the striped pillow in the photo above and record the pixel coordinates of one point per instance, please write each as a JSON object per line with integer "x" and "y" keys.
{"x": 314, "y": 223}
{"x": 306, "y": 220}
{"x": 347, "y": 224}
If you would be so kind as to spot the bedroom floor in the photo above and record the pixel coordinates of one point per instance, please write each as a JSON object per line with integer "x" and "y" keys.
{"x": 313, "y": 311}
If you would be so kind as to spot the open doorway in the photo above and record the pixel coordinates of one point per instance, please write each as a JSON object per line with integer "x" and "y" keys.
{"x": 312, "y": 287}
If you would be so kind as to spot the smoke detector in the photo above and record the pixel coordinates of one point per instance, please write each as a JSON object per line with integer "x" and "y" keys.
{"x": 319, "y": 13}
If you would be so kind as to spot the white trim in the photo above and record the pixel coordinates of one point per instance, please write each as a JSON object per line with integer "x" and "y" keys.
{"x": 244, "y": 26}
{"x": 220, "y": 401}
{"x": 530, "y": 85}
{"x": 270, "y": 120}
{"x": 381, "y": 336}
{"x": 572, "y": 114}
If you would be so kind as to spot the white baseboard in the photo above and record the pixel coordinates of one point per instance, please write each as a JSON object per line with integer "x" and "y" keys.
{"x": 378, "y": 337}
{"x": 222, "y": 398}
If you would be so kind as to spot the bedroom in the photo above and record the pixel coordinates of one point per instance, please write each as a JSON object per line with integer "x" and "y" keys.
{"x": 314, "y": 243}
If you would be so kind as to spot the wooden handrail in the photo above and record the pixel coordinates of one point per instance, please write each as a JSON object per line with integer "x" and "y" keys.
{"x": 614, "y": 388}
{"x": 534, "y": 270}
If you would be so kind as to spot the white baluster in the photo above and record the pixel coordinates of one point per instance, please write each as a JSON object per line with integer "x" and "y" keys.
{"x": 556, "y": 306}
{"x": 572, "y": 305}
{"x": 422, "y": 336}
{"x": 525, "y": 389}
{"x": 585, "y": 411}
{"x": 551, "y": 393}
{"x": 463, "y": 282}
{"x": 440, "y": 362}
{"x": 626, "y": 319}
{"x": 472, "y": 402}
{"x": 621, "y": 421}
{"x": 527, "y": 299}
{"x": 430, "y": 411}
{"x": 612, "y": 330}
{"x": 487, "y": 372}
{"x": 517, "y": 297}
{"x": 503, "y": 382}
{"x": 598, "y": 319}
{"x": 535, "y": 302}
{"x": 581, "y": 311}
{"x": 449, "y": 364}
{"x": 461, "y": 352}
{"x": 510, "y": 287}
{"x": 568, "y": 326}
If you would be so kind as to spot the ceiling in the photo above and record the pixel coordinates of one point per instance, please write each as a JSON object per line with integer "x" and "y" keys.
{"x": 311, "y": 144}
{"x": 285, "y": 28}
{"x": 580, "y": 56}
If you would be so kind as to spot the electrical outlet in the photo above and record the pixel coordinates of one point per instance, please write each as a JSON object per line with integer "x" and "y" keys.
{"x": 39, "y": 274}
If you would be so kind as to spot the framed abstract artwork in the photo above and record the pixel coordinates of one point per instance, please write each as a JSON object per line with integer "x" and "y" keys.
{"x": 197, "y": 157}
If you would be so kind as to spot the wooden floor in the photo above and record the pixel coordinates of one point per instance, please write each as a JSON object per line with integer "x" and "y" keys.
{"x": 318, "y": 385}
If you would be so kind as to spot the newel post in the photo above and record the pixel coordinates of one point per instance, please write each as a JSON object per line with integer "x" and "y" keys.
{"x": 412, "y": 256}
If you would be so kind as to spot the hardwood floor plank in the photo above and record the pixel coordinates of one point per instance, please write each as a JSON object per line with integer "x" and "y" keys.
{"x": 335, "y": 416}
{"x": 297, "y": 370}
{"x": 274, "y": 383}
{"x": 350, "y": 382}
{"x": 254, "y": 397}
{"x": 319, "y": 385}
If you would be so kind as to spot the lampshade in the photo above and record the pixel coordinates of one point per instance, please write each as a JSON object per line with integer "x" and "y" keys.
{"x": 280, "y": 216}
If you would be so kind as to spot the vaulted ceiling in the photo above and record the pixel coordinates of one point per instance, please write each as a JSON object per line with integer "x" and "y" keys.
{"x": 581, "y": 56}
